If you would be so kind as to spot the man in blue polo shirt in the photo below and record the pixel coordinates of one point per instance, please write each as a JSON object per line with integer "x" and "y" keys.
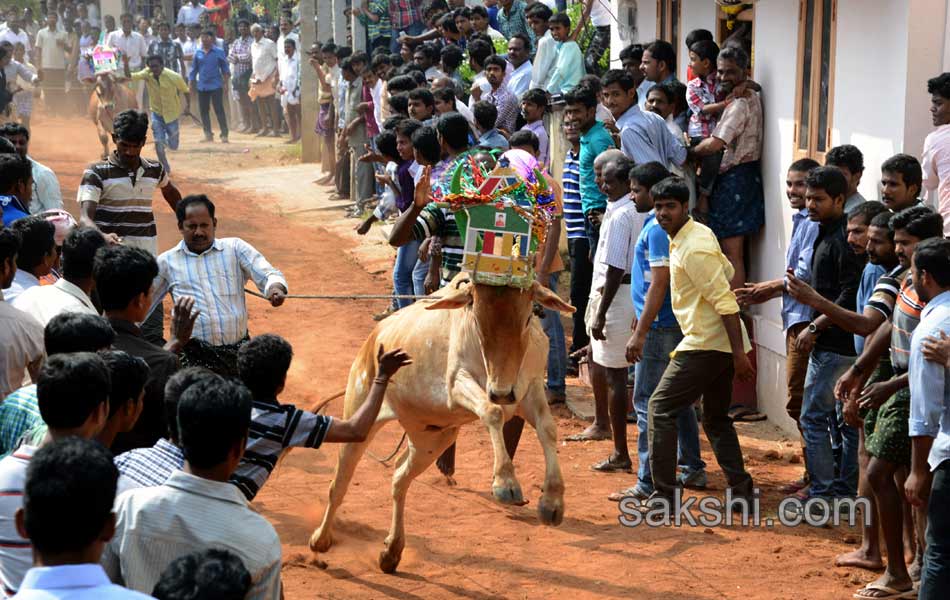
{"x": 580, "y": 112}
{"x": 209, "y": 74}
{"x": 656, "y": 335}
{"x": 16, "y": 187}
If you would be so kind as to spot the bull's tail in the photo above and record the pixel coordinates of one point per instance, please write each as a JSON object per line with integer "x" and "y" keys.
{"x": 362, "y": 373}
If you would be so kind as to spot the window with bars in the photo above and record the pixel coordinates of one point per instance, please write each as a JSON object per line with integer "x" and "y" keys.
{"x": 814, "y": 98}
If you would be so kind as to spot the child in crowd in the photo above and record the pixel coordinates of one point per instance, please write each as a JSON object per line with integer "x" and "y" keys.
{"x": 569, "y": 64}
{"x": 386, "y": 147}
{"x": 705, "y": 108}
{"x": 534, "y": 104}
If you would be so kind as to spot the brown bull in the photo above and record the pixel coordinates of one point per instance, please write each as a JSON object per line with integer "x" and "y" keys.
{"x": 108, "y": 99}
{"x": 478, "y": 353}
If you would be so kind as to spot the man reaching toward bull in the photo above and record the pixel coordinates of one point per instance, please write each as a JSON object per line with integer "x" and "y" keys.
{"x": 214, "y": 272}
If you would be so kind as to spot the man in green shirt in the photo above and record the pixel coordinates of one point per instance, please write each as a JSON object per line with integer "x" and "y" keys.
{"x": 580, "y": 111}
{"x": 166, "y": 90}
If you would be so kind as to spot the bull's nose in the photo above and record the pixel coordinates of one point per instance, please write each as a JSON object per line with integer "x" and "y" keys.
{"x": 508, "y": 398}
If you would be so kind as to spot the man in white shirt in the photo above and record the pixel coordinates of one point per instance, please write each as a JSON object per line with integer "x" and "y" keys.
{"x": 264, "y": 78}
{"x": 72, "y": 292}
{"x": 15, "y": 34}
{"x": 73, "y": 397}
{"x": 519, "y": 46}
{"x": 214, "y": 272}
{"x": 52, "y": 45}
{"x": 610, "y": 310}
{"x": 935, "y": 159}
{"x": 190, "y": 13}
{"x": 47, "y": 194}
{"x": 21, "y": 337}
{"x": 197, "y": 507}
{"x": 131, "y": 44}
{"x": 286, "y": 31}
{"x": 70, "y": 487}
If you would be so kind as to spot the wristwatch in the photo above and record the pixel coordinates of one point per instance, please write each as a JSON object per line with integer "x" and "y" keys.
{"x": 813, "y": 329}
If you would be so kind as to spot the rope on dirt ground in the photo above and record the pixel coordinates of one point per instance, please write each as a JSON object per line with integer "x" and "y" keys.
{"x": 322, "y": 403}
{"x": 394, "y": 452}
{"x": 345, "y": 296}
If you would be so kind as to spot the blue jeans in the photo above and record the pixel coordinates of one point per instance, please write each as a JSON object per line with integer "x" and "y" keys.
{"x": 557, "y": 346}
{"x": 406, "y": 259}
{"x": 819, "y": 413}
{"x": 165, "y": 134}
{"x": 660, "y": 342}
{"x": 935, "y": 576}
{"x": 419, "y": 273}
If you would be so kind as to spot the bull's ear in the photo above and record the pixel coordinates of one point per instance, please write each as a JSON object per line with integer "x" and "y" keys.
{"x": 455, "y": 297}
{"x": 549, "y": 299}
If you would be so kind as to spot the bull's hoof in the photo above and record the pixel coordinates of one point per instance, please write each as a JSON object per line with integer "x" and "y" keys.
{"x": 551, "y": 511}
{"x": 388, "y": 562}
{"x": 320, "y": 541}
{"x": 508, "y": 493}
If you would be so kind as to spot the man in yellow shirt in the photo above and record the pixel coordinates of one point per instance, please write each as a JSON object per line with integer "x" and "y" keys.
{"x": 712, "y": 352}
{"x": 166, "y": 92}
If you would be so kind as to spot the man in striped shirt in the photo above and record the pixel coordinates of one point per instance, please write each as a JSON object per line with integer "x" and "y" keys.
{"x": 213, "y": 272}
{"x": 886, "y": 425}
{"x": 578, "y": 245}
{"x": 263, "y": 363}
{"x": 115, "y": 195}
{"x": 73, "y": 393}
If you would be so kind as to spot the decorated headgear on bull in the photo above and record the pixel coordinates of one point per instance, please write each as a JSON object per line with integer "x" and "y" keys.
{"x": 503, "y": 215}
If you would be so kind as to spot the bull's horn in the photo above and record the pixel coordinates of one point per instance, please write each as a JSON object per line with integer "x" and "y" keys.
{"x": 456, "y": 186}
{"x": 542, "y": 181}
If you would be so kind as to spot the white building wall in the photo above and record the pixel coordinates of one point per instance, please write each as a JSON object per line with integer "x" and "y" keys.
{"x": 776, "y": 46}
{"x": 694, "y": 15}
{"x": 870, "y": 82}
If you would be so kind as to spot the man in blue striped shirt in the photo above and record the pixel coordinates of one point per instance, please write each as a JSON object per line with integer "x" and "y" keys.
{"x": 214, "y": 272}
{"x": 577, "y": 243}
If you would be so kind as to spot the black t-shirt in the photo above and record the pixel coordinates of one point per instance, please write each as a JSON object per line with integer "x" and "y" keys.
{"x": 836, "y": 274}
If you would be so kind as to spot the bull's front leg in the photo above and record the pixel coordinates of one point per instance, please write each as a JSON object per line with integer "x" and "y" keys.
{"x": 534, "y": 409}
{"x": 468, "y": 394}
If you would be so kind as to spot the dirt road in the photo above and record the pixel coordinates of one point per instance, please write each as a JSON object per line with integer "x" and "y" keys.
{"x": 460, "y": 543}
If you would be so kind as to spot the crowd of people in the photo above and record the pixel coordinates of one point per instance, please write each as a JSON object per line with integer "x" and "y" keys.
{"x": 244, "y": 66}
{"x": 658, "y": 185}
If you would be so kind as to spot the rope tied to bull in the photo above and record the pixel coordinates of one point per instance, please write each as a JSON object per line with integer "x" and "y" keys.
{"x": 345, "y": 296}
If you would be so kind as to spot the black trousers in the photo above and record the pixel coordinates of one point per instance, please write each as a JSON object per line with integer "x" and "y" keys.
{"x": 205, "y": 100}
{"x": 691, "y": 374}
{"x": 582, "y": 273}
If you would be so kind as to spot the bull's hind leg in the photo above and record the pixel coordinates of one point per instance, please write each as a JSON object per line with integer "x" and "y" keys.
{"x": 534, "y": 407}
{"x": 424, "y": 448}
{"x": 348, "y": 458}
